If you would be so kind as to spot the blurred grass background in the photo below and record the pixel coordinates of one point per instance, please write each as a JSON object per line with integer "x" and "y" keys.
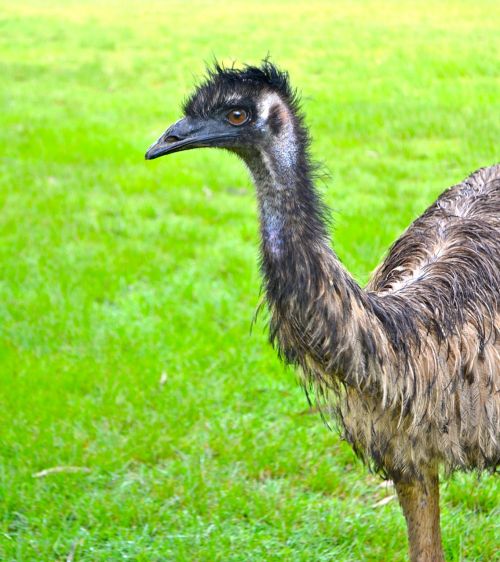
{"x": 127, "y": 288}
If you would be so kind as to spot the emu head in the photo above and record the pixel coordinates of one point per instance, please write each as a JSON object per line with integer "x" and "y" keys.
{"x": 242, "y": 110}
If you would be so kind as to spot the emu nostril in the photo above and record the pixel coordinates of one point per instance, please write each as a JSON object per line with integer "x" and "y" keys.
{"x": 171, "y": 138}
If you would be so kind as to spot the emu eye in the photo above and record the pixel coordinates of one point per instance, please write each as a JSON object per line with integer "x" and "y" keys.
{"x": 237, "y": 117}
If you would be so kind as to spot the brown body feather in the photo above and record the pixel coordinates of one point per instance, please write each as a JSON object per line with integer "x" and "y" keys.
{"x": 444, "y": 270}
{"x": 415, "y": 373}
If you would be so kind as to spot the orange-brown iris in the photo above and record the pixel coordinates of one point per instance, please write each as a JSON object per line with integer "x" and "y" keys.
{"x": 237, "y": 116}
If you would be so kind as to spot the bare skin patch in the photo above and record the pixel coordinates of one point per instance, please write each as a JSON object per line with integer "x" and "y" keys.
{"x": 275, "y": 119}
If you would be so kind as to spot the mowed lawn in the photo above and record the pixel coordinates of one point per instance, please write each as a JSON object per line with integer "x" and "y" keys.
{"x": 127, "y": 288}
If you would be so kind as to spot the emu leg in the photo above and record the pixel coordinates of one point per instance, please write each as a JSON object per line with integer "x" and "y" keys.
{"x": 420, "y": 502}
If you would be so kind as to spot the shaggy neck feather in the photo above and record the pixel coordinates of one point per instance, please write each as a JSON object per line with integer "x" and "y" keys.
{"x": 317, "y": 310}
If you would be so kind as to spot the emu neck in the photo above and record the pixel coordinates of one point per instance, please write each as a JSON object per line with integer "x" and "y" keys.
{"x": 290, "y": 209}
{"x": 295, "y": 245}
{"x": 318, "y": 316}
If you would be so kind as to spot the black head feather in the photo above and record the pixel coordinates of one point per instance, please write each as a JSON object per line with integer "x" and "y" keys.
{"x": 222, "y": 84}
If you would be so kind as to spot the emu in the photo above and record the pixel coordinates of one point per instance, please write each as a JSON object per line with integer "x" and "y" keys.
{"x": 409, "y": 365}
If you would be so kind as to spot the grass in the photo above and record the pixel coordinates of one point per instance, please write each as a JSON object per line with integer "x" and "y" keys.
{"x": 127, "y": 288}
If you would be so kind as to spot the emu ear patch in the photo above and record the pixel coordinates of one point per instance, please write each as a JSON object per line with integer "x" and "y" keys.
{"x": 277, "y": 117}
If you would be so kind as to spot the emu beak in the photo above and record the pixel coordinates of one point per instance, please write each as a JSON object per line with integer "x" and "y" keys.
{"x": 188, "y": 133}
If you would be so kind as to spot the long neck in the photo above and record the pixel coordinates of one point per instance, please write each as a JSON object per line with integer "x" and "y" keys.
{"x": 319, "y": 317}
{"x": 292, "y": 216}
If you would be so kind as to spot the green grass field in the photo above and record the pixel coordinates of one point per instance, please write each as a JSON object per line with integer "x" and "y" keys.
{"x": 127, "y": 288}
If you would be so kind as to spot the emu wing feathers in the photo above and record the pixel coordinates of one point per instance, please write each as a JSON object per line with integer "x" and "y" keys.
{"x": 443, "y": 277}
